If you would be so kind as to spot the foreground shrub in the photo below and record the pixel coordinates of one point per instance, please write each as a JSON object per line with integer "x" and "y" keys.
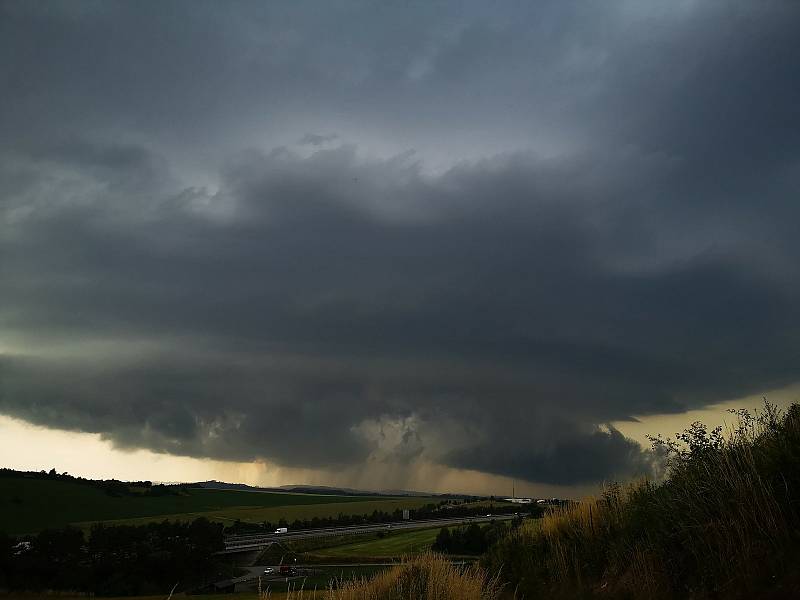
{"x": 725, "y": 523}
{"x": 424, "y": 577}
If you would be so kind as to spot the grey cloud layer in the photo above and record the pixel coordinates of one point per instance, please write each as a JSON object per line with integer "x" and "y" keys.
{"x": 492, "y": 315}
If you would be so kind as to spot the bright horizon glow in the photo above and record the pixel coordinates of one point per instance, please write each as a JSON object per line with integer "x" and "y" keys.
{"x": 89, "y": 455}
{"x": 28, "y": 447}
{"x": 716, "y": 414}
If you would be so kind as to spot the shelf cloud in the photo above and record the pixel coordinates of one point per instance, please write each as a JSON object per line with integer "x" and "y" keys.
{"x": 530, "y": 222}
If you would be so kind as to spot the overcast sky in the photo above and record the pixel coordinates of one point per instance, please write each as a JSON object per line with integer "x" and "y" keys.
{"x": 406, "y": 238}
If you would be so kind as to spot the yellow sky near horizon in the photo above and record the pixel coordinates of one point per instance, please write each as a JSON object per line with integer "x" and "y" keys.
{"x": 712, "y": 415}
{"x": 29, "y": 447}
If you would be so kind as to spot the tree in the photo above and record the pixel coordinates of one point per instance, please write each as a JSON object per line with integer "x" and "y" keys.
{"x": 443, "y": 540}
{"x": 474, "y": 540}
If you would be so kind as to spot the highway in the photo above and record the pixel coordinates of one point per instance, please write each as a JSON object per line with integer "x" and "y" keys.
{"x": 255, "y": 541}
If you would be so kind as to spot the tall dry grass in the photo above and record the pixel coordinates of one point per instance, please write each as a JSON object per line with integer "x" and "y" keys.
{"x": 423, "y": 577}
{"x": 725, "y": 522}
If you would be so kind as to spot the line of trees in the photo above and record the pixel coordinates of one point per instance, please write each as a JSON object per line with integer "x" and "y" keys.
{"x": 114, "y": 560}
{"x": 112, "y": 487}
{"x": 472, "y": 539}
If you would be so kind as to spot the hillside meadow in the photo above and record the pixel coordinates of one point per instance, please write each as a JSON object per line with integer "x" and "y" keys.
{"x": 28, "y": 505}
{"x": 390, "y": 546}
{"x": 289, "y": 512}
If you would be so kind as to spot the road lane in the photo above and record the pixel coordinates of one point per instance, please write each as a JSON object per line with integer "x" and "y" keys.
{"x": 254, "y": 541}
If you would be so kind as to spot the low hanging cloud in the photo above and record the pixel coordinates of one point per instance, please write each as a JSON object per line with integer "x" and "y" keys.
{"x": 600, "y": 455}
{"x": 323, "y": 305}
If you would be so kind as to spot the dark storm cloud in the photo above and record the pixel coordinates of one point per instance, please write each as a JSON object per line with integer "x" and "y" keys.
{"x": 493, "y": 315}
{"x": 197, "y": 407}
{"x": 567, "y": 462}
{"x": 315, "y": 139}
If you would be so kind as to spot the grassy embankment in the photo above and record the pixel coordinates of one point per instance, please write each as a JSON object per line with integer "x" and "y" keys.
{"x": 423, "y": 577}
{"x": 724, "y": 524}
{"x": 320, "y": 580}
{"x": 391, "y": 546}
{"x": 372, "y": 547}
{"x": 30, "y": 505}
{"x": 355, "y": 549}
{"x": 396, "y": 546}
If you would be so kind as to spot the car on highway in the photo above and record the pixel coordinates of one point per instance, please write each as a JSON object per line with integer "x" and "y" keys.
{"x": 281, "y": 530}
{"x": 21, "y": 548}
{"x": 269, "y": 571}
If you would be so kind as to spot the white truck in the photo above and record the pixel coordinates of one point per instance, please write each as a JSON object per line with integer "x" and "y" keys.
{"x": 282, "y": 530}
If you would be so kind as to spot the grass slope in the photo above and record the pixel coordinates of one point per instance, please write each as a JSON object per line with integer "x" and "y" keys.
{"x": 320, "y": 581}
{"x": 427, "y": 576}
{"x": 28, "y": 505}
{"x": 393, "y": 545}
{"x": 724, "y": 524}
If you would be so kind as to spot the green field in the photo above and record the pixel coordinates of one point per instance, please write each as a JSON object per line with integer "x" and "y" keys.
{"x": 290, "y": 512}
{"x": 28, "y": 505}
{"x": 391, "y": 546}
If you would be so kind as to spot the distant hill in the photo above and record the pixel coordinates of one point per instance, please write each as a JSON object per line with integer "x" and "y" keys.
{"x": 413, "y": 493}
{"x": 32, "y": 501}
{"x": 313, "y": 489}
{"x": 286, "y": 489}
